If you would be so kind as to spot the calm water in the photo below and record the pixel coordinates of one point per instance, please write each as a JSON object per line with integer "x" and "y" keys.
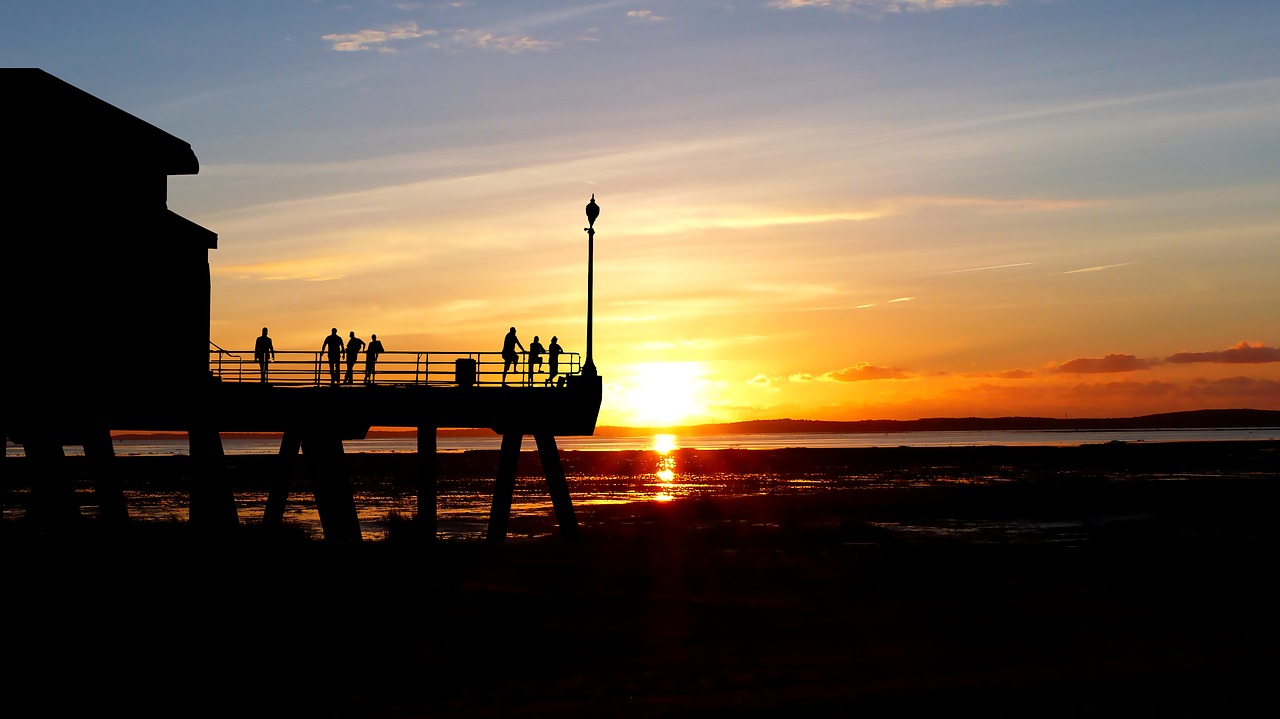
{"x": 820, "y": 440}
{"x": 463, "y": 507}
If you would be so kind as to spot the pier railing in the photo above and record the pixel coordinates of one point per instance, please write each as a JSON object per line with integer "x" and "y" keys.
{"x": 392, "y": 368}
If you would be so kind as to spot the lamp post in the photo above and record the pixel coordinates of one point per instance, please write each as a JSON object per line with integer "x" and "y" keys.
{"x": 593, "y": 211}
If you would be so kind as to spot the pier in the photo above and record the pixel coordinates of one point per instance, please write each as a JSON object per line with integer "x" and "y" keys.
{"x": 135, "y": 353}
{"x": 314, "y": 418}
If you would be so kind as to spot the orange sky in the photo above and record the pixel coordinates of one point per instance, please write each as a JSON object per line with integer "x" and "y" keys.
{"x": 819, "y": 209}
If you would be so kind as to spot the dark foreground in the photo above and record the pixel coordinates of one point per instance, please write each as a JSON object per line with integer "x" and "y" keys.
{"x": 1145, "y": 597}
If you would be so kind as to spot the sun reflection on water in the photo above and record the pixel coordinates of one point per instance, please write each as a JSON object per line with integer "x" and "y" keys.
{"x": 664, "y": 445}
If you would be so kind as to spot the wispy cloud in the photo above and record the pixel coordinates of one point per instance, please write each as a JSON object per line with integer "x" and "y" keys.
{"x": 1241, "y": 353}
{"x": 883, "y": 6}
{"x": 511, "y": 43}
{"x": 984, "y": 268}
{"x": 645, "y": 15}
{"x": 378, "y": 40}
{"x": 1097, "y": 268}
{"x": 864, "y": 371}
{"x": 882, "y": 209}
{"x": 1110, "y": 363}
{"x": 1005, "y": 374}
{"x": 459, "y": 39}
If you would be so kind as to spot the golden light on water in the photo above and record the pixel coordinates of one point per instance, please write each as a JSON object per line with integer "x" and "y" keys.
{"x": 665, "y": 472}
{"x": 664, "y": 443}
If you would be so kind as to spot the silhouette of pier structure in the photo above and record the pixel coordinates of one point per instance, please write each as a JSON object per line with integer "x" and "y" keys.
{"x": 122, "y": 274}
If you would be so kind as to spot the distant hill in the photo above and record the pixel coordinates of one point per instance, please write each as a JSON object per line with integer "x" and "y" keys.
{"x": 1195, "y": 419}
{"x": 1205, "y": 418}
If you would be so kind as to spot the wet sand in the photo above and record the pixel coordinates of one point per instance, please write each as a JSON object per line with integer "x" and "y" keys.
{"x": 1141, "y": 594}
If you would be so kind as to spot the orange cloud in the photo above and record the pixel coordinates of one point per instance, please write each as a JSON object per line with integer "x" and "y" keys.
{"x": 1127, "y": 391}
{"x": 1257, "y": 392}
{"x": 1004, "y": 374}
{"x": 864, "y": 371}
{"x": 1110, "y": 363}
{"x": 1241, "y": 353}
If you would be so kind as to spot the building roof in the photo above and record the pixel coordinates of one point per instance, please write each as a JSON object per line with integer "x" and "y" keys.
{"x": 50, "y": 123}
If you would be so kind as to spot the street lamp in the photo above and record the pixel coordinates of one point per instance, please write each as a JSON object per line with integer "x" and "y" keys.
{"x": 593, "y": 211}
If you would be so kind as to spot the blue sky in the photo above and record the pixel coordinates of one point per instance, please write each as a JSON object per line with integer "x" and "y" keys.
{"x": 838, "y": 210}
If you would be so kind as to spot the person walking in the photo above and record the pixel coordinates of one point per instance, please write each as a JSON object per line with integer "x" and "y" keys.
{"x": 354, "y": 345}
{"x": 535, "y": 358}
{"x": 333, "y": 346}
{"x": 509, "y": 356}
{"x": 553, "y": 360}
{"x": 371, "y": 357}
{"x": 263, "y": 351}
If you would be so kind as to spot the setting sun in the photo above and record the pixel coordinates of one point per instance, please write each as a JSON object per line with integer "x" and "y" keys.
{"x": 660, "y": 393}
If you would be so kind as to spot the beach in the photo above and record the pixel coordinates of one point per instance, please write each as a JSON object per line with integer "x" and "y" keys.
{"x": 1093, "y": 582}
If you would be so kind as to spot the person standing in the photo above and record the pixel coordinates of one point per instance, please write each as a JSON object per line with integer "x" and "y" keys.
{"x": 509, "y": 356}
{"x": 535, "y": 357}
{"x": 371, "y": 357}
{"x": 263, "y": 351}
{"x": 553, "y": 360}
{"x": 354, "y": 345}
{"x": 333, "y": 346}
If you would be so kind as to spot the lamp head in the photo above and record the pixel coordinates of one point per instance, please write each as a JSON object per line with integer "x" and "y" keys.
{"x": 593, "y": 211}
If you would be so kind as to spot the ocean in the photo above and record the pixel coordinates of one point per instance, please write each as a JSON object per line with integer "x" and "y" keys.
{"x": 463, "y": 504}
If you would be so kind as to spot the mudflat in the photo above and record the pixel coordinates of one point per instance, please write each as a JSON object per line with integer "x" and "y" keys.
{"x": 1065, "y": 592}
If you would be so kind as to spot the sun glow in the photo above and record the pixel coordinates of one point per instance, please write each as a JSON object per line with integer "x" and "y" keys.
{"x": 662, "y": 393}
{"x": 664, "y": 443}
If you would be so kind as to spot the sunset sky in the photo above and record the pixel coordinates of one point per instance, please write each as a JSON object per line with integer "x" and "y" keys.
{"x": 817, "y": 209}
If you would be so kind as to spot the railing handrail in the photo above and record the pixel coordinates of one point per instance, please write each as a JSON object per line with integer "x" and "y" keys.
{"x": 220, "y": 350}
{"x": 393, "y": 367}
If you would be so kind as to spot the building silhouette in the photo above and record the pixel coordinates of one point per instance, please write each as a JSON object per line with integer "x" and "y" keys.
{"x": 106, "y": 288}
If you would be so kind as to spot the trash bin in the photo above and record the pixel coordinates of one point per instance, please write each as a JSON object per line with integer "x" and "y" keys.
{"x": 464, "y": 370}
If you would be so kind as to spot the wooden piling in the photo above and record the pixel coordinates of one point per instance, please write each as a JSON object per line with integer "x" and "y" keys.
{"x": 427, "y": 470}
{"x": 558, "y": 486}
{"x": 504, "y": 487}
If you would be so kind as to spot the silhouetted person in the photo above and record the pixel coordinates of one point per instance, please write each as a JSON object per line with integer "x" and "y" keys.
{"x": 509, "y": 356}
{"x": 553, "y": 360}
{"x": 333, "y": 346}
{"x": 535, "y": 357}
{"x": 354, "y": 345}
{"x": 263, "y": 351}
{"x": 371, "y": 357}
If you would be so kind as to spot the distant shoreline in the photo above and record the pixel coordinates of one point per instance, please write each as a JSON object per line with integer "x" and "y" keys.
{"x": 1194, "y": 419}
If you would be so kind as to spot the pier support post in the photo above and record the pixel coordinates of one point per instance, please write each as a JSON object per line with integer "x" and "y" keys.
{"x": 427, "y": 471}
{"x": 327, "y": 468}
{"x": 558, "y": 486}
{"x": 213, "y": 504}
{"x": 107, "y": 487}
{"x": 278, "y": 498}
{"x": 53, "y": 495}
{"x": 504, "y": 487}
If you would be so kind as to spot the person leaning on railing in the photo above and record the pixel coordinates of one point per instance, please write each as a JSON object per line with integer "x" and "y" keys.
{"x": 553, "y": 360}
{"x": 371, "y": 352}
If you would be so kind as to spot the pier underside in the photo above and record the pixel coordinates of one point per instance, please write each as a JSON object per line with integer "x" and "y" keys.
{"x": 313, "y": 422}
